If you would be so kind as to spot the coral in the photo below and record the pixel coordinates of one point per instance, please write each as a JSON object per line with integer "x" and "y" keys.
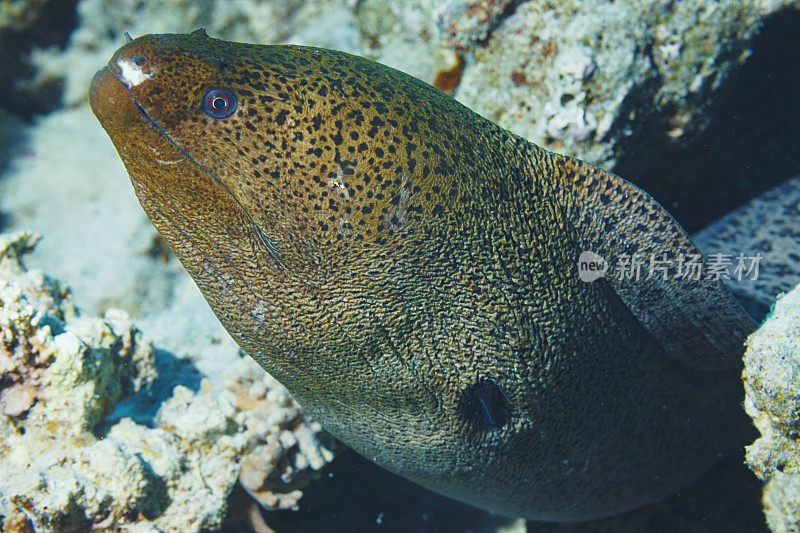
{"x": 26, "y": 340}
{"x": 18, "y": 14}
{"x": 287, "y": 453}
{"x": 559, "y": 76}
{"x": 572, "y": 76}
{"x": 465, "y": 23}
{"x": 566, "y": 74}
{"x": 404, "y": 34}
{"x": 782, "y": 502}
{"x": 772, "y": 399}
{"x": 71, "y": 459}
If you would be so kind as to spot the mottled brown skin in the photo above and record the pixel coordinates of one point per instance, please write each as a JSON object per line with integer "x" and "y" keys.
{"x": 380, "y": 249}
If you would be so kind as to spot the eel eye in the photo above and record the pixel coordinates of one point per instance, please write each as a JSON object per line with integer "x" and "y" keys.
{"x": 219, "y": 103}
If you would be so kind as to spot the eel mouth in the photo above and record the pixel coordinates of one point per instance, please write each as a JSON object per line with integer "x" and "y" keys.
{"x": 111, "y": 99}
{"x": 119, "y": 111}
{"x": 122, "y": 117}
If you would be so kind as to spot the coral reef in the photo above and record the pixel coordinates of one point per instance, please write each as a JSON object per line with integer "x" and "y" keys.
{"x": 572, "y": 76}
{"x": 74, "y": 458}
{"x": 772, "y": 388}
{"x": 466, "y": 23}
{"x": 404, "y": 34}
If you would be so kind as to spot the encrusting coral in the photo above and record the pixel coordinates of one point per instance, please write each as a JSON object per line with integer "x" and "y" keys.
{"x": 70, "y": 461}
{"x": 772, "y": 388}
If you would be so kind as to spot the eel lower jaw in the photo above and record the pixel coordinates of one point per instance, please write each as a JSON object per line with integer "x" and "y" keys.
{"x": 117, "y": 108}
{"x": 109, "y": 99}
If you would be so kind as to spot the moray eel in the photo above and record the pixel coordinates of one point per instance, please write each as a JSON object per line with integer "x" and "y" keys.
{"x": 768, "y": 225}
{"x": 408, "y": 270}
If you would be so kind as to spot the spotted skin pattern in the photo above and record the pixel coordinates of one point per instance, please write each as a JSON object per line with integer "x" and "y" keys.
{"x": 770, "y": 226}
{"x": 408, "y": 270}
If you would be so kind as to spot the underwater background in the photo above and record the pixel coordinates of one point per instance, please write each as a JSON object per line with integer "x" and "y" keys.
{"x": 123, "y": 402}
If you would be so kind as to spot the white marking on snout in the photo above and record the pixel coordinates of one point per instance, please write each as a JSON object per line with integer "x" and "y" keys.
{"x": 131, "y": 74}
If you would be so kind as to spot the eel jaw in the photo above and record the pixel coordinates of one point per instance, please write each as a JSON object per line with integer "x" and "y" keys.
{"x": 118, "y": 110}
{"x": 110, "y": 100}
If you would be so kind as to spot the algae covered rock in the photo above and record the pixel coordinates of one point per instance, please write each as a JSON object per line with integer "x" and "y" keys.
{"x": 772, "y": 387}
{"x": 89, "y": 438}
{"x": 573, "y": 76}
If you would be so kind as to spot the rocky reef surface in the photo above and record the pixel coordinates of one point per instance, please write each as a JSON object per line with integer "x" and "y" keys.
{"x": 772, "y": 385}
{"x": 571, "y": 75}
{"x": 92, "y": 437}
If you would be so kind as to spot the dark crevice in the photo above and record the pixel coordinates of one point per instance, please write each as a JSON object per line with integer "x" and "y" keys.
{"x": 52, "y": 27}
{"x": 370, "y": 498}
{"x": 751, "y": 144}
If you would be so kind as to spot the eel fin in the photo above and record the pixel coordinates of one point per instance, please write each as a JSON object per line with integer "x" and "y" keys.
{"x": 693, "y": 317}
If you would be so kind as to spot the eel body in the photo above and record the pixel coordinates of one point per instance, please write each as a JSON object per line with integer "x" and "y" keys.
{"x": 769, "y": 226}
{"x": 410, "y": 271}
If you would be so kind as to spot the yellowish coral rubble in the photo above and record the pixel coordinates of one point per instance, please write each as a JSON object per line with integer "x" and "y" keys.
{"x": 68, "y": 462}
